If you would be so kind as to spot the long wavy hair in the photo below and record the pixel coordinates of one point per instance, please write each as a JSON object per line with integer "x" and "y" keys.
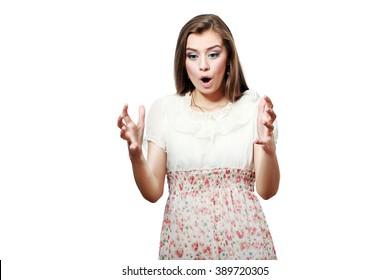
{"x": 235, "y": 83}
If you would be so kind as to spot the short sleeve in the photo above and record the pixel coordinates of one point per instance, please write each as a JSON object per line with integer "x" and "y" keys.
{"x": 155, "y": 128}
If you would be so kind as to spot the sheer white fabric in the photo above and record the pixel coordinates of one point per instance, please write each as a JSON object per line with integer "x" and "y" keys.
{"x": 197, "y": 140}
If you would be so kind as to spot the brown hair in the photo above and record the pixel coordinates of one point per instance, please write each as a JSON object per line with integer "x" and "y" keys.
{"x": 235, "y": 83}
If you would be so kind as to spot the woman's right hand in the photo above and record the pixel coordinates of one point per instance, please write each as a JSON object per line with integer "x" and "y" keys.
{"x": 131, "y": 132}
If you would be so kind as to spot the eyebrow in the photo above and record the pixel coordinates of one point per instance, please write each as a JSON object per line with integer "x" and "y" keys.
{"x": 215, "y": 46}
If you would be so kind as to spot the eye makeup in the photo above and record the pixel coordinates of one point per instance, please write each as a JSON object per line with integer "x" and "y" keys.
{"x": 213, "y": 53}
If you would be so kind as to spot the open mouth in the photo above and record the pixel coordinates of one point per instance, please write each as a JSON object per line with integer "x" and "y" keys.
{"x": 205, "y": 80}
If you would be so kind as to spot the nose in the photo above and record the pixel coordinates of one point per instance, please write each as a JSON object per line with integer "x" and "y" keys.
{"x": 203, "y": 64}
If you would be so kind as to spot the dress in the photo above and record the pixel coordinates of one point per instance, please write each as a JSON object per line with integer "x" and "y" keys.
{"x": 212, "y": 211}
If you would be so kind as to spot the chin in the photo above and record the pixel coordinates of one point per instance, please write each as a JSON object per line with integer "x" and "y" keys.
{"x": 207, "y": 90}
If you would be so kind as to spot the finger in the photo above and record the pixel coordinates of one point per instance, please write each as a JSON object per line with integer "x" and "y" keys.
{"x": 127, "y": 135}
{"x": 268, "y": 102}
{"x": 125, "y": 114}
{"x": 124, "y": 111}
{"x": 120, "y": 122}
{"x": 262, "y": 104}
{"x": 270, "y": 127}
{"x": 271, "y": 114}
{"x": 124, "y": 118}
{"x": 123, "y": 134}
{"x": 141, "y": 116}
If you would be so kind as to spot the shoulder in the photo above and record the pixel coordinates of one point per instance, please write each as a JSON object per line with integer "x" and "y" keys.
{"x": 249, "y": 96}
{"x": 249, "y": 99}
{"x": 166, "y": 105}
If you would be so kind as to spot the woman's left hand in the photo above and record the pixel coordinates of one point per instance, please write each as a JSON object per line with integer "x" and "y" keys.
{"x": 265, "y": 124}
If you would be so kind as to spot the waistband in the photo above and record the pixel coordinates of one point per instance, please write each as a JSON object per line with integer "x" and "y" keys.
{"x": 211, "y": 179}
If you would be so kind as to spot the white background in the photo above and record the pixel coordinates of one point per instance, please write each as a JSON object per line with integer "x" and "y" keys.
{"x": 69, "y": 208}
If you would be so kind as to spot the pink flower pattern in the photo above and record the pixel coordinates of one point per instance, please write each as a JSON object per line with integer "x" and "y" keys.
{"x": 214, "y": 215}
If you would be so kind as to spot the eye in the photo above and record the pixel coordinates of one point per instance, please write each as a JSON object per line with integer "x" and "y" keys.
{"x": 213, "y": 55}
{"x": 192, "y": 56}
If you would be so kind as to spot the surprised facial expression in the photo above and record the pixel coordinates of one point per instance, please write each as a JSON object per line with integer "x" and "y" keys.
{"x": 206, "y": 59}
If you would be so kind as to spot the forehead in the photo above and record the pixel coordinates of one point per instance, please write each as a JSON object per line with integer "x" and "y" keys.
{"x": 204, "y": 40}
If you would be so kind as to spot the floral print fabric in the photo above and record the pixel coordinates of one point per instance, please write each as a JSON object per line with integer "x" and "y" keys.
{"x": 214, "y": 214}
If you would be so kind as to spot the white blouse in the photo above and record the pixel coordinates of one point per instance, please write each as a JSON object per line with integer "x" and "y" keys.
{"x": 197, "y": 140}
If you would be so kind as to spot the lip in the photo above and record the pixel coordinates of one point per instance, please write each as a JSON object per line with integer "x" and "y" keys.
{"x": 205, "y": 83}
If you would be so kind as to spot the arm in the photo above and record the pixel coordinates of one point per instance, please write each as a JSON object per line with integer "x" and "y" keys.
{"x": 265, "y": 159}
{"x": 149, "y": 174}
{"x": 267, "y": 171}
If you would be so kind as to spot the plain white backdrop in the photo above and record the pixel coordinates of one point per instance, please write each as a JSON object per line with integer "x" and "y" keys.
{"x": 69, "y": 207}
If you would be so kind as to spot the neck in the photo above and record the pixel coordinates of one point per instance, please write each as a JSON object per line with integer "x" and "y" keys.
{"x": 208, "y": 102}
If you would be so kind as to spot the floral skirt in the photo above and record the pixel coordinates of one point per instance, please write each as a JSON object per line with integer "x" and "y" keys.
{"x": 213, "y": 215}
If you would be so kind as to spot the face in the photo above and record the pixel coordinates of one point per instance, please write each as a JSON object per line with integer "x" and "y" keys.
{"x": 206, "y": 59}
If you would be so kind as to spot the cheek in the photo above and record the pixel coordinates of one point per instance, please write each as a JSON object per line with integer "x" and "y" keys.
{"x": 221, "y": 67}
{"x": 189, "y": 68}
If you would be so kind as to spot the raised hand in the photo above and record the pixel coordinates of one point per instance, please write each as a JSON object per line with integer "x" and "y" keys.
{"x": 265, "y": 124}
{"x": 132, "y": 132}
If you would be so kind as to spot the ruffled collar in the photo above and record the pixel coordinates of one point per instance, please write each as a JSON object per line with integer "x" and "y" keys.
{"x": 232, "y": 117}
{"x": 215, "y": 115}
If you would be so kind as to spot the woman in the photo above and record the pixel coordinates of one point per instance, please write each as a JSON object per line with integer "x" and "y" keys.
{"x": 214, "y": 141}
